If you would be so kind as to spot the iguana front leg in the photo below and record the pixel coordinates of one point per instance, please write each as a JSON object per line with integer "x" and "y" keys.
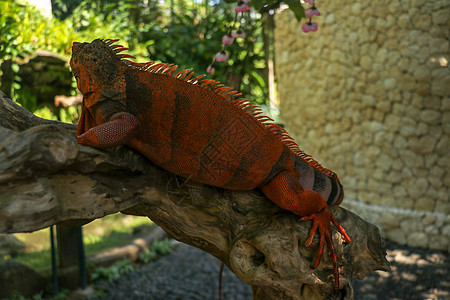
{"x": 286, "y": 191}
{"x": 120, "y": 128}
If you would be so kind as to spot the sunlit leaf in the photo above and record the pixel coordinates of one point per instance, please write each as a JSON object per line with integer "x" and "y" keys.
{"x": 15, "y": 68}
{"x": 296, "y": 8}
{"x": 257, "y": 4}
{"x": 259, "y": 78}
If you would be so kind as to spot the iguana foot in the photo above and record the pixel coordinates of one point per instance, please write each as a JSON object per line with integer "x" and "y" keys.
{"x": 322, "y": 223}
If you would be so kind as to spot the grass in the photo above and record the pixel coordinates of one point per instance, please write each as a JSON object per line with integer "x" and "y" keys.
{"x": 110, "y": 231}
{"x": 120, "y": 267}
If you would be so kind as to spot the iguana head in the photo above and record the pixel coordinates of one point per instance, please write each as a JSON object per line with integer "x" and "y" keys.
{"x": 94, "y": 65}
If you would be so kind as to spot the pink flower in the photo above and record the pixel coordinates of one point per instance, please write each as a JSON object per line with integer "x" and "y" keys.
{"x": 241, "y": 7}
{"x": 310, "y": 26}
{"x": 312, "y": 11}
{"x": 227, "y": 39}
{"x": 211, "y": 69}
{"x": 222, "y": 56}
{"x": 309, "y": 2}
{"x": 238, "y": 34}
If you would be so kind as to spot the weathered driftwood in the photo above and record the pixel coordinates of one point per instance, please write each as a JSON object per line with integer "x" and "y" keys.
{"x": 46, "y": 178}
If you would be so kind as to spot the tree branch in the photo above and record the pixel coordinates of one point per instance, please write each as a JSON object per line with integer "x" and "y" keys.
{"x": 46, "y": 178}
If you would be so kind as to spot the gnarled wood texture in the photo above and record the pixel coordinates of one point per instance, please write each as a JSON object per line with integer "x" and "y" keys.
{"x": 46, "y": 178}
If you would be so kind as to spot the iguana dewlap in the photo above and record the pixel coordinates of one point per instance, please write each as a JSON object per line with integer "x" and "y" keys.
{"x": 202, "y": 130}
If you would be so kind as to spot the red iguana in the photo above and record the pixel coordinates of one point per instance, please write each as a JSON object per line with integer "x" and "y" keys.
{"x": 202, "y": 130}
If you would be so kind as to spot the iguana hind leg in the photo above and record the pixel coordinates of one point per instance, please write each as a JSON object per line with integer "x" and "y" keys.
{"x": 286, "y": 191}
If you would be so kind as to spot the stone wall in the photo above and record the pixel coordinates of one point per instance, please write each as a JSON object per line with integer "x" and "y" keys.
{"x": 368, "y": 96}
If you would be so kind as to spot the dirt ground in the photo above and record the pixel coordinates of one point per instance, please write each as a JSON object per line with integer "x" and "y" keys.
{"x": 415, "y": 274}
{"x": 189, "y": 273}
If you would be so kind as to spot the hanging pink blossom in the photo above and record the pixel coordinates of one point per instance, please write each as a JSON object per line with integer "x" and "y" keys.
{"x": 241, "y": 7}
{"x": 238, "y": 34}
{"x": 211, "y": 69}
{"x": 227, "y": 39}
{"x": 312, "y": 11}
{"x": 310, "y": 26}
{"x": 309, "y": 2}
{"x": 222, "y": 56}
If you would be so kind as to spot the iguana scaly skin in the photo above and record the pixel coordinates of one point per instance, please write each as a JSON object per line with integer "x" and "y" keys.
{"x": 202, "y": 130}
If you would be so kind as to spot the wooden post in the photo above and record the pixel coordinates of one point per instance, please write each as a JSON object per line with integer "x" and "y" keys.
{"x": 68, "y": 256}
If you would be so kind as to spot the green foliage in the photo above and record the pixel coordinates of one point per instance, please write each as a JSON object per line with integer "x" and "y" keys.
{"x": 162, "y": 247}
{"x": 100, "y": 293}
{"x": 62, "y": 9}
{"x": 23, "y": 30}
{"x": 296, "y": 8}
{"x": 189, "y": 36}
{"x": 148, "y": 255}
{"x": 186, "y": 33}
{"x": 14, "y": 20}
{"x": 60, "y": 296}
{"x": 158, "y": 248}
{"x": 112, "y": 272}
{"x": 294, "y": 5}
{"x": 99, "y": 235}
{"x": 38, "y": 260}
{"x": 63, "y": 293}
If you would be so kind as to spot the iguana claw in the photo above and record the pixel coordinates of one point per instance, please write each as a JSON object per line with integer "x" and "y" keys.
{"x": 322, "y": 223}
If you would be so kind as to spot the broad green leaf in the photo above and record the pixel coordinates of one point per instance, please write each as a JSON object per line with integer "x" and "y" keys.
{"x": 258, "y": 78}
{"x": 15, "y": 67}
{"x": 257, "y": 4}
{"x": 296, "y": 8}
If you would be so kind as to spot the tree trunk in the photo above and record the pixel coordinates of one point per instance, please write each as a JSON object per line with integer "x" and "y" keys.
{"x": 269, "y": 72}
{"x": 46, "y": 178}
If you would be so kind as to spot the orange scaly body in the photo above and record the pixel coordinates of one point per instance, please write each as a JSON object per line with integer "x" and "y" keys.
{"x": 200, "y": 129}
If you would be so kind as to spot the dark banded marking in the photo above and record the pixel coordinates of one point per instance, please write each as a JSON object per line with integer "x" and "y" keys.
{"x": 336, "y": 192}
{"x": 319, "y": 181}
{"x": 306, "y": 173}
{"x": 316, "y": 180}
{"x": 278, "y": 167}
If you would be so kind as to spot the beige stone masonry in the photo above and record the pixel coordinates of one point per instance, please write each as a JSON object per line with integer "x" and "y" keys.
{"x": 368, "y": 95}
{"x": 404, "y": 226}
